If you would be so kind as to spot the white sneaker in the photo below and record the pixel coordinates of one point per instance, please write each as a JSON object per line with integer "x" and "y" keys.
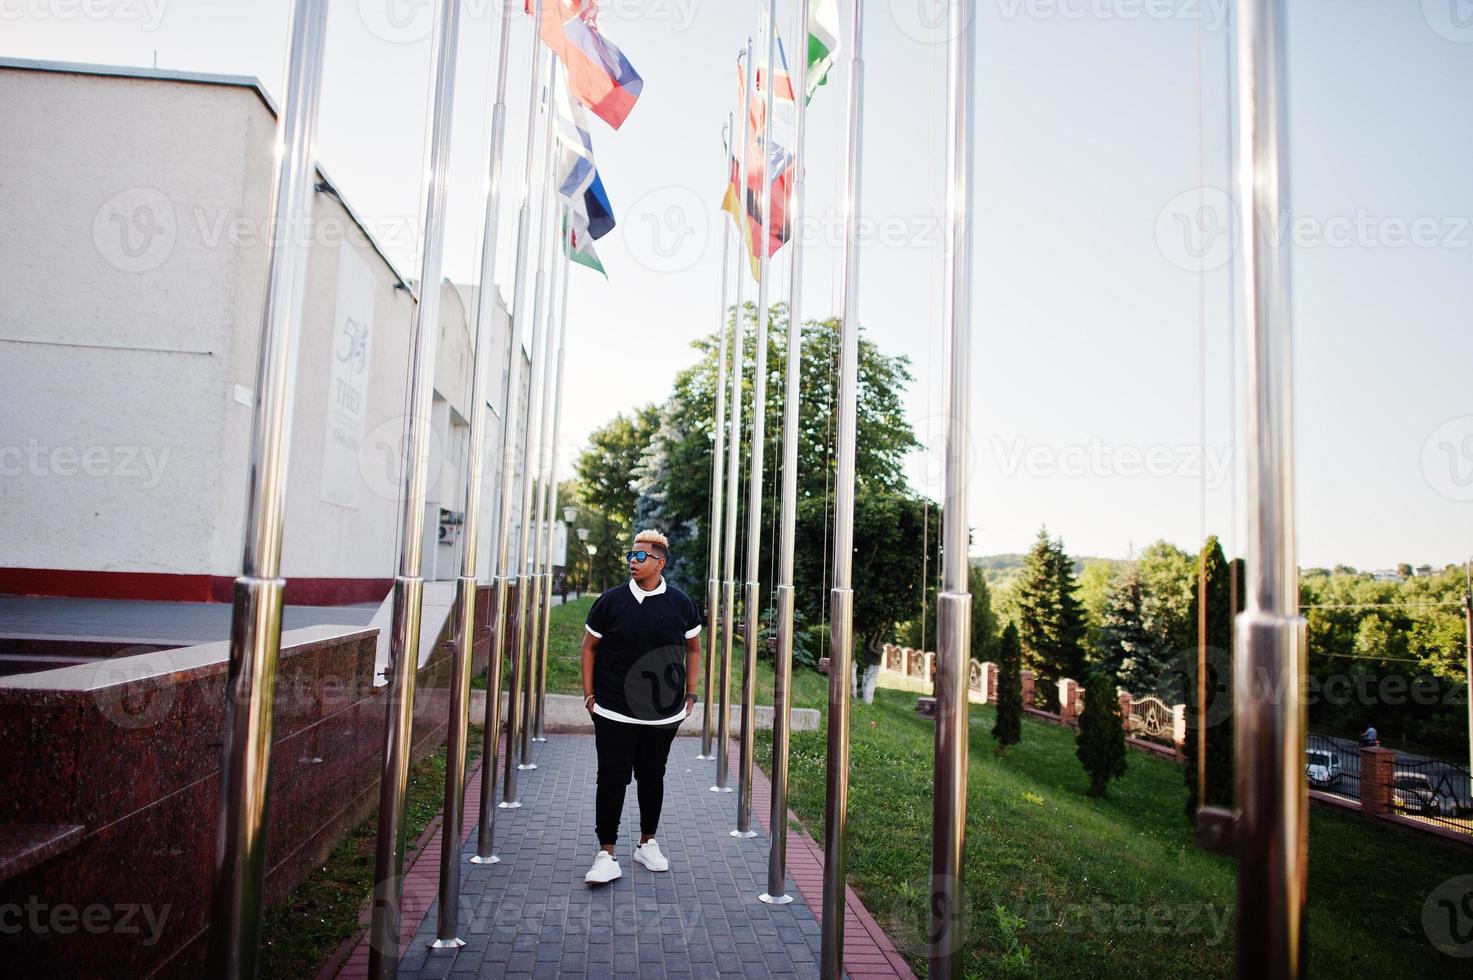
{"x": 648, "y": 854}
{"x": 605, "y": 869}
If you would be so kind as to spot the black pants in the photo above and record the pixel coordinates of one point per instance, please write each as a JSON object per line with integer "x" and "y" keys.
{"x": 626, "y": 750}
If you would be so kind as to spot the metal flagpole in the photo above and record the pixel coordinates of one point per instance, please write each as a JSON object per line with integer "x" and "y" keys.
{"x": 750, "y": 599}
{"x": 1272, "y": 792}
{"x": 540, "y": 532}
{"x": 510, "y": 409}
{"x": 841, "y": 597}
{"x": 777, "y": 856}
{"x": 733, "y": 452}
{"x": 447, "y": 930}
{"x": 954, "y": 604}
{"x": 550, "y": 484}
{"x": 529, "y": 588}
{"x": 383, "y": 954}
{"x": 525, "y": 254}
{"x": 255, "y": 626}
{"x": 713, "y": 599}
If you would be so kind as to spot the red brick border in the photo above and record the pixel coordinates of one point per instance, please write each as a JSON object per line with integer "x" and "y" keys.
{"x": 421, "y": 888}
{"x": 868, "y": 952}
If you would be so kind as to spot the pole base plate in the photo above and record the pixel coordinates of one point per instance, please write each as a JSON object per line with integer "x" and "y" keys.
{"x": 446, "y": 943}
{"x": 774, "y": 899}
{"x": 524, "y": 766}
{"x": 539, "y": 738}
{"x": 721, "y": 789}
{"x": 744, "y": 833}
{"x": 477, "y": 859}
{"x": 705, "y": 758}
{"x": 513, "y": 805}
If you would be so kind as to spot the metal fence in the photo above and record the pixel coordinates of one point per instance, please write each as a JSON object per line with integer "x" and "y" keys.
{"x": 1433, "y": 791}
{"x": 1151, "y": 718}
{"x": 1331, "y": 767}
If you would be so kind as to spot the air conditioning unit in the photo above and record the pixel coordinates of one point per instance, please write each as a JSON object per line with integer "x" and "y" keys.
{"x": 450, "y": 523}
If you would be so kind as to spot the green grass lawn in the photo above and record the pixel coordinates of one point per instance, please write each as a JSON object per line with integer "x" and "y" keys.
{"x": 1110, "y": 887}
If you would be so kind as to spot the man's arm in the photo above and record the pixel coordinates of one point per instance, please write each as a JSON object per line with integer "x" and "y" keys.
{"x": 590, "y": 647}
{"x": 692, "y": 668}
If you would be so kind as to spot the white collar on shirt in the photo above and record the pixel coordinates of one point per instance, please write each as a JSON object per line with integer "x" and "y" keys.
{"x": 640, "y": 595}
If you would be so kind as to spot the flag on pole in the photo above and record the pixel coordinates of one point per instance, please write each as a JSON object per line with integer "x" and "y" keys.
{"x": 580, "y": 249}
{"x": 775, "y": 157}
{"x": 598, "y": 73}
{"x": 576, "y": 173}
{"x": 823, "y": 41}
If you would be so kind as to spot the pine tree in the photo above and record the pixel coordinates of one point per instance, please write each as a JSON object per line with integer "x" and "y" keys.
{"x": 1216, "y": 725}
{"x": 1128, "y": 650}
{"x": 1008, "y": 729}
{"x": 1100, "y": 744}
{"x": 1051, "y": 618}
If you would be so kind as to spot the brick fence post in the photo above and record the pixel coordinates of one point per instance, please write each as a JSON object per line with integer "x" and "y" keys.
{"x": 1376, "y": 767}
{"x": 1126, "y": 700}
{"x": 1027, "y": 678}
{"x": 1067, "y": 688}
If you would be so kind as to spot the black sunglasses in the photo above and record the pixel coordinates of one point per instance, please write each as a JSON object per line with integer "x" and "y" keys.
{"x": 640, "y": 556}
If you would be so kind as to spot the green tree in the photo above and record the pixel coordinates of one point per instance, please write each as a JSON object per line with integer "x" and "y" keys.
{"x": 606, "y": 470}
{"x": 1051, "y": 621}
{"x": 888, "y": 541}
{"x": 883, "y": 439}
{"x": 1008, "y": 728}
{"x": 1213, "y": 721}
{"x": 1128, "y": 650}
{"x": 1100, "y": 744}
{"x": 1168, "y": 579}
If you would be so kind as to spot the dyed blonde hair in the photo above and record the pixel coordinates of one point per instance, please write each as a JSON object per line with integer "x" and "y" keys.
{"x": 651, "y": 536}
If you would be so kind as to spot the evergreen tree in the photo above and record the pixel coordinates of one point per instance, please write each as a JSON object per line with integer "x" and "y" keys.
{"x": 984, "y": 620}
{"x": 1008, "y": 729}
{"x": 1100, "y": 744}
{"x": 1216, "y": 724}
{"x": 1051, "y": 620}
{"x": 1127, "y": 648}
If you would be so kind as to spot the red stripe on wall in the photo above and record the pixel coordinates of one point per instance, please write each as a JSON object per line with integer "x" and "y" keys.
{"x": 168, "y": 587}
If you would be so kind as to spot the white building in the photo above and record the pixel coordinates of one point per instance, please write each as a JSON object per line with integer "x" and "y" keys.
{"x": 135, "y": 211}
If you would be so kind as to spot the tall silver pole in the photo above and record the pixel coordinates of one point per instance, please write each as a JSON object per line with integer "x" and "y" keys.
{"x": 529, "y": 588}
{"x": 549, "y": 482}
{"x": 841, "y": 597}
{"x": 383, "y": 954}
{"x": 447, "y": 933}
{"x": 733, "y": 451}
{"x": 511, "y": 410}
{"x": 713, "y": 598}
{"x": 954, "y": 604}
{"x": 777, "y": 857}
{"x": 1272, "y": 792}
{"x": 1468, "y": 629}
{"x": 751, "y": 600}
{"x": 537, "y": 58}
{"x": 255, "y": 626}
{"x": 541, "y": 530}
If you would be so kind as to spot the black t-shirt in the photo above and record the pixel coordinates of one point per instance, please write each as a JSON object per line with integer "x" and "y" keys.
{"x": 639, "y": 667}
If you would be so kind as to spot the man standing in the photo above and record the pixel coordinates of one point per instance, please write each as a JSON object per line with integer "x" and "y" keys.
{"x": 641, "y": 656}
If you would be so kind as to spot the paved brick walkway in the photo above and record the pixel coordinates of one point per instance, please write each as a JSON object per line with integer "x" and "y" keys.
{"x": 531, "y": 916}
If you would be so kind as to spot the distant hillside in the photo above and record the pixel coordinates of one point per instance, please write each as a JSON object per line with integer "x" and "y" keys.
{"x": 1002, "y": 569}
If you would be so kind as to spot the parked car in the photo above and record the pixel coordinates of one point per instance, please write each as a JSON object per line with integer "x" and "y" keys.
{"x": 1322, "y": 766}
{"x": 1413, "y": 792}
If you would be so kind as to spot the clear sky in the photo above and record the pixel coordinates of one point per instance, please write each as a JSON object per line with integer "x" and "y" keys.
{"x": 1101, "y": 279}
